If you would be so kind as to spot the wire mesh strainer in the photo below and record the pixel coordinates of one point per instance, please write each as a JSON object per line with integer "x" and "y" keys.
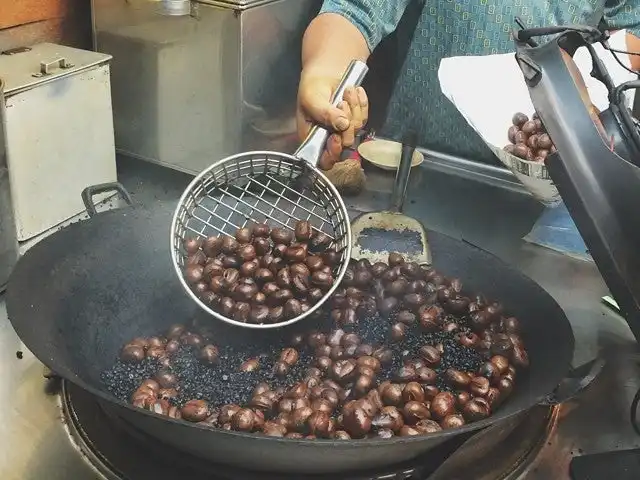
{"x": 266, "y": 187}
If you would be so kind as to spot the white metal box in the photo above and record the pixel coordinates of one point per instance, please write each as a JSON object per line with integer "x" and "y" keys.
{"x": 59, "y": 128}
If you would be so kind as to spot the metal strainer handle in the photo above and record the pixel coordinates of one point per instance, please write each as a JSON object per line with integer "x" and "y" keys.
{"x": 312, "y": 147}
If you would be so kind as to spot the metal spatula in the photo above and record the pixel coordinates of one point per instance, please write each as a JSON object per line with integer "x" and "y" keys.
{"x": 376, "y": 234}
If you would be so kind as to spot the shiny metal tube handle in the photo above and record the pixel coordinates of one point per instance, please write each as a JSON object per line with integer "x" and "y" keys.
{"x": 312, "y": 147}
{"x": 404, "y": 170}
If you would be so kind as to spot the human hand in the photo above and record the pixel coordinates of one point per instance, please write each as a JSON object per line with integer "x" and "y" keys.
{"x": 314, "y": 107}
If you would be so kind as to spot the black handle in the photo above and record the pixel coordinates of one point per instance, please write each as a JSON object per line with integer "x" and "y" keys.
{"x": 410, "y": 139}
{"x": 401, "y": 181}
{"x": 575, "y": 382}
{"x": 89, "y": 192}
{"x": 348, "y": 151}
{"x": 527, "y": 34}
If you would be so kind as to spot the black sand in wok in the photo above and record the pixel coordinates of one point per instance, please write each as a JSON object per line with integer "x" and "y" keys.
{"x": 225, "y": 384}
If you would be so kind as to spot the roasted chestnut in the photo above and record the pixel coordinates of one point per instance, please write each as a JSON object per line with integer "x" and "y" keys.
{"x": 452, "y": 421}
{"x": 303, "y": 231}
{"x": 281, "y": 236}
{"x": 443, "y": 405}
{"x": 475, "y": 410}
{"x": 209, "y": 354}
{"x": 388, "y": 418}
{"x": 415, "y": 411}
{"x": 356, "y": 421}
{"x": 195, "y": 411}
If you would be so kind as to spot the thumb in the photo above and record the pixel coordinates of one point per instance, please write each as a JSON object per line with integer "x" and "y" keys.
{"x": 316, "y": 105}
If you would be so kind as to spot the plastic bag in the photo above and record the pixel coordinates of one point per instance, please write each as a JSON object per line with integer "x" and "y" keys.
{"x": 488, "y": 90}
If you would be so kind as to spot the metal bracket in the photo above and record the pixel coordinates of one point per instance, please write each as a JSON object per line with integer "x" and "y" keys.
{"x": 531, "y": 71}
{"x": 45, "y": 67}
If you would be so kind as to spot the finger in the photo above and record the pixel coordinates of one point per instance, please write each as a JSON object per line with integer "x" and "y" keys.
{"x": 332, "y": 153}
{"x": 348, "y": 135}
{"x": 363, "y": 100}
{"x": 351, "y": 97}
{"x": 302, "y": 124}
{"x": 326, "y": 161}
{"x": 317, "y": 107}
{"x": 334, "y": 146}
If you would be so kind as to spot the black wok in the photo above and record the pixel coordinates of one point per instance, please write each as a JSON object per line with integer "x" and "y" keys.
{"x": 76, "y": 297}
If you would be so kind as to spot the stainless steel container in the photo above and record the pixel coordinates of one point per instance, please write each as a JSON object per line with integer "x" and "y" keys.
{"x": 8, "y": 238}
{"x": 59, "y": 132}
{"x": 192, "y": 86}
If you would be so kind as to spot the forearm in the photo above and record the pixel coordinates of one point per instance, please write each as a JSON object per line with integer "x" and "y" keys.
{"x": 330, "y": 43}
{"x": 622, "y": 15}
{"x": 633, "y": 45}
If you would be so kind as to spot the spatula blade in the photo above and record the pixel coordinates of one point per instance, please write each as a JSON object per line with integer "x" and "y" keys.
{"x": 377, "y": 234}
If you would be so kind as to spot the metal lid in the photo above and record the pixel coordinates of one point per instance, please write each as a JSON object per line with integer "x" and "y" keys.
{"x": 25, "y": 68}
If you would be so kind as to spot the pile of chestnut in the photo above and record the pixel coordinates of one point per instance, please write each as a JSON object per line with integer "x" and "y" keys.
{"x": 354, "y": 389}
{"x": 261, "y": 275}
{"x": 529, "y": 139}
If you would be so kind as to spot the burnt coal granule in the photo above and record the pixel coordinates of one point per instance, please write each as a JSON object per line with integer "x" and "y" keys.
{"x": 219, "y": 384}
{"x": 375, "y": 331}
{"x": 463, "y": 321}
{"x": 372, "y": 330}
{"x": 124, "y": 378}
{"x": 224, "y": 383}
{"x": 457, "y": 357}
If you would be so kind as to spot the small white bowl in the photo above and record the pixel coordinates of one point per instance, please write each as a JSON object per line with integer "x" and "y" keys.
{"x": 385, "y": 154}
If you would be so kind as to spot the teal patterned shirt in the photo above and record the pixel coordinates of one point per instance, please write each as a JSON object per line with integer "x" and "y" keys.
{"x": 449, "y": 28}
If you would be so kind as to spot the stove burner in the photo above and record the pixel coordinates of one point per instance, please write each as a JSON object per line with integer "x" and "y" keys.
{"x": 117, "y": 451}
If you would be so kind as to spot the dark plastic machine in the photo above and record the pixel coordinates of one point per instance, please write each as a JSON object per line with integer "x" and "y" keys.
{"x": 597, "y": 166}
{"x": 597, "y": 172}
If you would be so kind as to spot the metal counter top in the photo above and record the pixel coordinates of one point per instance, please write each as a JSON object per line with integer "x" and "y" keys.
{"x": 34, "y": 443}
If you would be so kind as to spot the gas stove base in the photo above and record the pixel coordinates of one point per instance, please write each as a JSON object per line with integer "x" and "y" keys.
{"x": 621, "y": 465}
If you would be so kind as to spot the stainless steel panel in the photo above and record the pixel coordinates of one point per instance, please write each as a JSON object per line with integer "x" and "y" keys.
{"x": 167, "y": 77}
{"x": 8, "y": 238}
{"x": 271, "y": 63}
{"x": 497, "y": 176}
{"x": 188, "y": 90}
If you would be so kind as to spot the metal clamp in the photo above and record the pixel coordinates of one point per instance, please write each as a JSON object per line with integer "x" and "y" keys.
{"x": 575, "y": 382}
{"x": 45, "y": 67}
